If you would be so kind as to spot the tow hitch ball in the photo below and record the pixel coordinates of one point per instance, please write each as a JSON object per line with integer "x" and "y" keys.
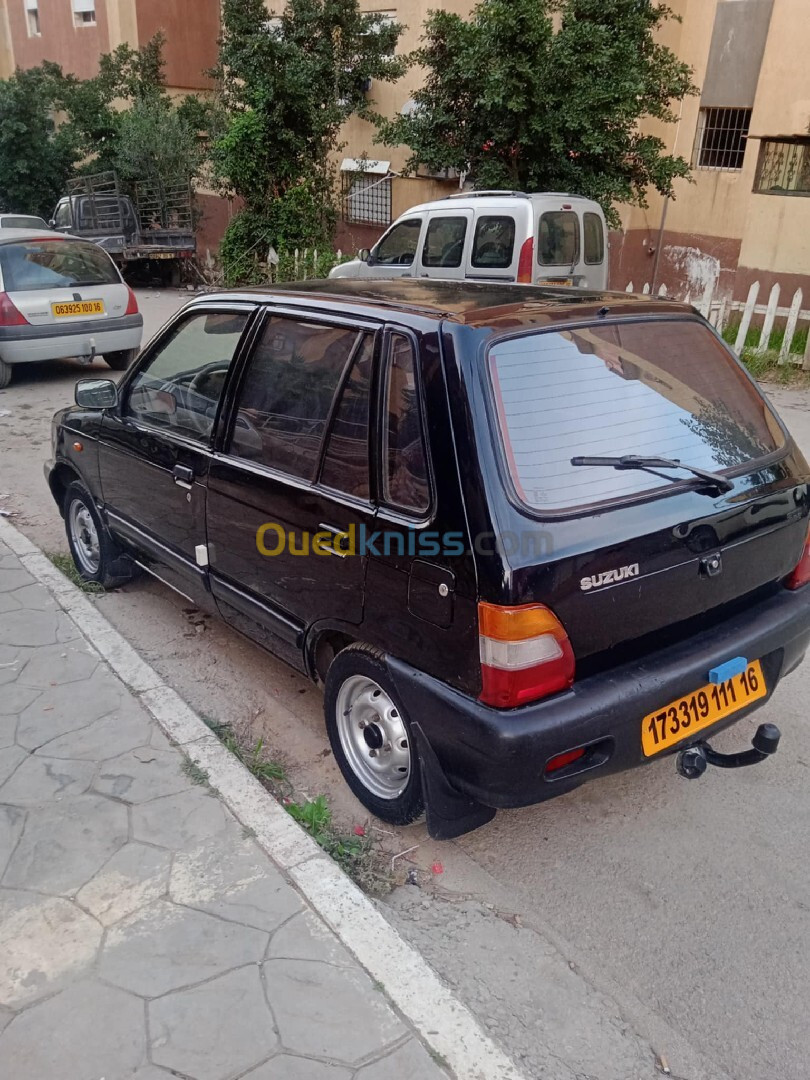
{"x": 694, "y": 760}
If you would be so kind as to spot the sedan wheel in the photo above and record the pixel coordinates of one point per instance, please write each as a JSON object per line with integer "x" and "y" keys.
{"x": 96, "y": 555}
{"x": 370, "y": 736}
{"x": 84, "y": 536}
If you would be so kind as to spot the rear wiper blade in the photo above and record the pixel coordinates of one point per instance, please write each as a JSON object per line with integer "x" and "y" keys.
{"x": 632, "y": 461}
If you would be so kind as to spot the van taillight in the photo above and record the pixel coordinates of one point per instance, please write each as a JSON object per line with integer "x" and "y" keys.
{"x": 525, "y": 654}
{"x": 132, "y": 305}
{"x": 526, "y": 263}
{"x": 9, "y": 315}
{"x": 801, "y": 574}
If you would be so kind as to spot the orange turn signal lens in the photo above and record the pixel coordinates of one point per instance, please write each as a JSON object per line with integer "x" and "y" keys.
{"x": 517, "y": 623}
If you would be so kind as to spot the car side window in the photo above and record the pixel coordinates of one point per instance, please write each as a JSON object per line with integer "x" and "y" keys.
{"x": 404, "y": 465}
{"x": 594, "y": 240}
{"x": 287, "y": 394}
{"x": 494, "y": 243}
{"x": 398, "y": 247}
{"x": 444, "y": 241}
{"x": 181, "y": 384}
{"x": 345, "y": 463}
{"x": 559, "y": 239}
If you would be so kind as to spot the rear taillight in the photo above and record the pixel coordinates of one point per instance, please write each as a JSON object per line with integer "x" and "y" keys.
{"x": 525, "y": 654}
{"x": 132, "y": 306}
{"x": 801, "y": 575}
{"x": 9, "y": 315}
{"x": 526, "y": 263}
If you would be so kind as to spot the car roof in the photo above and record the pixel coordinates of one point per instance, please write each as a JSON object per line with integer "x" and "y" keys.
{"x": 9, "y": 235}
{"x": 482, "y": 200}
{"x": 475, "y": 304}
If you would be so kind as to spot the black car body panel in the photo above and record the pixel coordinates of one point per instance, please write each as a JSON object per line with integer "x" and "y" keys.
{"x": 653, "y": 591}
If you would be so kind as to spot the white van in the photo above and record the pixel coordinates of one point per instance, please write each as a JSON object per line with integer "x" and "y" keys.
{"x": 547, "y": 239}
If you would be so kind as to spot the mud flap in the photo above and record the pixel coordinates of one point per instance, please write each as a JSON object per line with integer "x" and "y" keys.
{"x": 449, "y": 813}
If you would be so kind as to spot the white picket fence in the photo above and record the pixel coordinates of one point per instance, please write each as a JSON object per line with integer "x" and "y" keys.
{"x": 719, "y": 312}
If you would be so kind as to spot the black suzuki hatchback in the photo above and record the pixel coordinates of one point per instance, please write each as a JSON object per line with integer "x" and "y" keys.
{"x": 524, "y": 537}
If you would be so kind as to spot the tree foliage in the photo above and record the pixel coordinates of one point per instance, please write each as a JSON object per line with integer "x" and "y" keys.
{"x": 36, "y": 158}
{"x": 548, "y": 95}
{"x": 288, "y": 83}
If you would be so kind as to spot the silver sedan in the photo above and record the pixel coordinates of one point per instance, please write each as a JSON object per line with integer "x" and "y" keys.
{"x": 61, "y": 296}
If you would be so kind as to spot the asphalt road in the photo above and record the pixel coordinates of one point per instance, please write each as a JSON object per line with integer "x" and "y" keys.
{"x": 683, "y": 909}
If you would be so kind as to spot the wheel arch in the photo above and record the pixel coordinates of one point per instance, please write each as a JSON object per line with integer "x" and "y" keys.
{"x": 59, "y": 480}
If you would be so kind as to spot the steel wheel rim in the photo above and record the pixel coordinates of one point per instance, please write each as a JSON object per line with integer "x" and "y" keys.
{"x": 84, "y": 534}
{"x": 373, "y": 737}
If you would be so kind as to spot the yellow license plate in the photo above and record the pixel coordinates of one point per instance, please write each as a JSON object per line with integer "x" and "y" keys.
{"x": 558, "y": 281}
{"x": 77, "y": 307}
{"x": 694, "y": 712}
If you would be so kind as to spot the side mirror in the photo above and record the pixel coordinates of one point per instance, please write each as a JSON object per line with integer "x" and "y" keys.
{"x": 96, "y": 394}
{"x": 51, "y": 223}
{"x": 364, "y": 255}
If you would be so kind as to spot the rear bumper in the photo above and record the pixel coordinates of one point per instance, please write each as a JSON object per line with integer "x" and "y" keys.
{"x": 23, "y": 344}
{"x": 498, "y": 757}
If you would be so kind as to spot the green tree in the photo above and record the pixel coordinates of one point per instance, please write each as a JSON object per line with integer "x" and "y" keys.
{"x": 36, "y": 158}
{"x": 288, "y": 83}
{"x": 548, "y": 95}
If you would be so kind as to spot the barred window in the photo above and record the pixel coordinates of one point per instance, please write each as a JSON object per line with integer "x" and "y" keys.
{"x": 366, "y": 198}
{"x": 784, "y": 167}
{"x": 721, "y": 138}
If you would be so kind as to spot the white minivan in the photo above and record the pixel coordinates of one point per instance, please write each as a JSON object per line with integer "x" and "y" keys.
{"x": 546, "y": 239}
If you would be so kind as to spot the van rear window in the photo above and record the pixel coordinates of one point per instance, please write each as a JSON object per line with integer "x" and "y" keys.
{"x": 663, "y": 388}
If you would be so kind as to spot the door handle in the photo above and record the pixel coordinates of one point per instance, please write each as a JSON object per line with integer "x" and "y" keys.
{"x": 336, "y": 532}
{"x": 183, "y": 476}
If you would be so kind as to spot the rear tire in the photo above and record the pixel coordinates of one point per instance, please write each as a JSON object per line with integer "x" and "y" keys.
{"x": 120, "y": 361}
{"x": 95, "y": 554}
{"x": 371, "y": 737}
{"x": 5, "y": 374}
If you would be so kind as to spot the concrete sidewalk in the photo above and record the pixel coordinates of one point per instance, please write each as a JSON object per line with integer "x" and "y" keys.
{"x": 143, "y": 933}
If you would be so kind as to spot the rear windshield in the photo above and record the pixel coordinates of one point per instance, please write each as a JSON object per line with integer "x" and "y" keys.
{"x": 20, "y": 222}
{"x": 663, "y": 388}
{"x": 55, "y": 264}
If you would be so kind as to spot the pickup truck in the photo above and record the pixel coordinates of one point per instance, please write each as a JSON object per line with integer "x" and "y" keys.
{"x": 152, "y": 232}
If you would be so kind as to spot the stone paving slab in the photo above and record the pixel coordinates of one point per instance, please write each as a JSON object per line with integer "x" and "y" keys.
{"x": 143, "y": 933}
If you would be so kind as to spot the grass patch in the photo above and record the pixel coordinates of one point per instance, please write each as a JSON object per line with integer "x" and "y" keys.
{"x": 66, "y": 565}
{"x": 765, "y": 366}
{"x": 195, "y": 774}
{"x": 358, "y": 856}
{"x": 252, "y": 755}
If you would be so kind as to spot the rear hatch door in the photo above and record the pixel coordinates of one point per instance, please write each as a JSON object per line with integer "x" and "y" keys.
{"x": 634, "y": 552}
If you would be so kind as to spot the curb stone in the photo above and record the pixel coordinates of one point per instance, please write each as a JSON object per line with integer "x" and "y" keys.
{"x": 441, "y": 1020}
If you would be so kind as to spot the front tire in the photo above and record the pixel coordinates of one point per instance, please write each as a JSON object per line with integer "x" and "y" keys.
{"x": 120, "y": 361}
{"x": 5, "y": 374}
{"x": 95, "y": 554}
{"x": 371, "y": 737}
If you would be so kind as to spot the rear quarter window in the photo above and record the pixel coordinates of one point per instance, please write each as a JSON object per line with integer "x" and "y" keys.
{"x": 663, "y": 388}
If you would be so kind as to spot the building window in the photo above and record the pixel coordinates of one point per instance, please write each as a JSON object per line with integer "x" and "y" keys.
{"x": 721, "y": 138}
{"x": 784, "y": 167}
{"x": 84, "y": 12}
{"x": 32, "y": 18}
{"x": 366, "y": 197}
{"x": 381, "y": 20}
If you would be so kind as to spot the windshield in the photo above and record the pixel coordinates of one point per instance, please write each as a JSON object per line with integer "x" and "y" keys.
{"x": 55, "y": 264}
{"x": 662, "y": 388}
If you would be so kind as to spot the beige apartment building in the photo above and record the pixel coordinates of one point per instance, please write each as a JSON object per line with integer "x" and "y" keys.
{"x": 745, "y": 216}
